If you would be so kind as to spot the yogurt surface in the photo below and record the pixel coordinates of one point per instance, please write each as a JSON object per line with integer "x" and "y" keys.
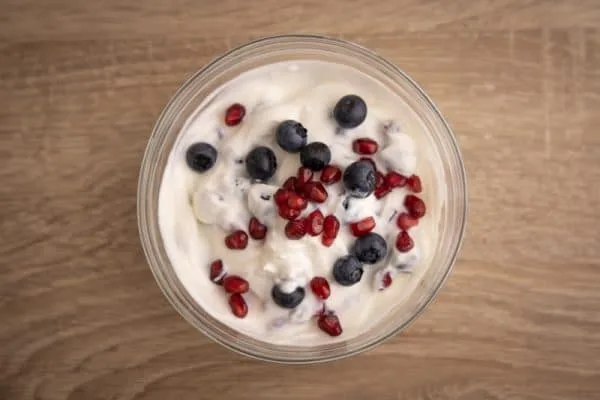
{"x": 198, "y": 210}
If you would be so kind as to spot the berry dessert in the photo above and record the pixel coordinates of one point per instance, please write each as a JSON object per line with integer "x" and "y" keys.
{"x": 295, "y": 205}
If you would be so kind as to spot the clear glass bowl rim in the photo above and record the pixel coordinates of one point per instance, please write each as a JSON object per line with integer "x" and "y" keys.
{"x": 142, "y": 205}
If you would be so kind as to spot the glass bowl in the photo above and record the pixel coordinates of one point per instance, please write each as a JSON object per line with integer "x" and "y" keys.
{"x": 449, "y": 183}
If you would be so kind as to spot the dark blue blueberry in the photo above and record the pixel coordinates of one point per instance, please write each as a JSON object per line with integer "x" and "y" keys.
{"x": 350, "y": 111}
{"x": 291, "y": 136}
{"x": 370, "y": 248}
{"x": 315, "y": 156}
{"x": 287, "y": 300}
{"x": 201, "y": 157}
{"x": 347, "y": 270}
{"x": 359, "y": 179}
{"x": 261, "y": 163}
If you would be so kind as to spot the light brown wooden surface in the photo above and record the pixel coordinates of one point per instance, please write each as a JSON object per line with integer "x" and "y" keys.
{"x": 81, "y": 84}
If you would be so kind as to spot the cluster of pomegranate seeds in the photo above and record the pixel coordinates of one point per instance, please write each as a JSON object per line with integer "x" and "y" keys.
{"x": 320, "y": 287}
{"x": 314, "y": 223}
{"x": 238, "y": 305}
{"x": 331, "y": 227}
{"x": 237, "y": 240}
{"x": 330, "y": 324}
{"x": 414, "y": 184}
{"x": 365, "y": 146}
{"x": 362, "y": 227}
{"x": 217, "y": 272}
{"x": 257, "y": 230}
{"x": 331, "y": 174}
{"x": 295, "y": 229}
{"x": 406, "y": 221}
{"x": 404, "y": 242}
{"x": 234, "y": 114}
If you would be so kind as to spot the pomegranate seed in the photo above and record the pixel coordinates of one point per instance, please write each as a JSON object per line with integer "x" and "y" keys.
{"x": 295, "y": 229}
{"x": 394, "y": 180}
{"x": 404, "y": 242}
{"x": 235, "y": 284}
{"x": 320, "y": 287}
{"x": 331, "y": 227}
{"x": 296, "y": 202}
{"x": 314, "y": 223}
{"x": 330, "y": 324}
{"x": 281, "y": 196}
{"x": 305, "y": 175}
{"x": 414, "y": 205}
{"x": 362, "y": 227}
{"x": 315, "y": 191}
{"x": 406, "y": 221}
{"x": 257, "y": 230}
{"x": 290, "y": 183}
{"x": 386, "y": 281}
{"x": 414, "y": 184}
{"x": 217, "y": 272}
{"x": 381, "y": 191}
{"x": 234, "y": 114}
{"x": 238, "y": 240}
{"x": 327, "y": 241}
{"x": 370, "y": 161}
{"x": 379, "y": 179}
{"x": 365, "y": 146}
{"x": 288, "y": 213}
{"x": 238, "y": 305}
{"x": 331, "y": 174}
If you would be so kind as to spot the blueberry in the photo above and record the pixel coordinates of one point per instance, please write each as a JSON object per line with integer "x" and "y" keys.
{"x": 350, "y": 111}
{"x": 291, "y": 136}
{"x": 201, "y": 156}
{"x": 359, "y": 179}
{"x": 315, "y": 156}
{"x": 347, "y": 270}
{"x": 261, "y": 163}
{"x": 370, "y": 248}
{"x": 287, "y": 300}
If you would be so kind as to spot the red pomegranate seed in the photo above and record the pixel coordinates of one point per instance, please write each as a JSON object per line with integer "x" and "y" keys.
{"x": 320, "y": 287}
{"x": 331, "y": 174}
{"x": 314, "y": 223}
{"x": 386, "y": 281}
{"x": 406, "y": 221}
{"x": 217, "y": 273}
{"x": 296, "y": 202}
{"x": 238, "y": 240}
{"x": 414, "y": 205}
{"x": 304, "y": 175}
{"x": 290, "y": 183}
{"x": 295, "y": 229}
{"x": 394, "y": 180}
{"x": 281, "y": 196}
{"x": 404, "y": 242}
{"x": 362, "y": 227}
{"x": 370, "y": 161}
{"x": 315, "y": 191}
{"x": 327, "y": 241}
{"x": 330, "y": 324}
{"x": 288, "y": 213}
{"x": 414, "y": 184}
{"x": 234, "y": 114}
{"x": 235, "y": 284}
{"x": 331, "y": 227}
{"x": 365, "y": 146}
{"x": 381, "y": 191}
{"x": 238, "y": 305}
{"x": 257, "y": 230}
{"x": 379, "y": 179}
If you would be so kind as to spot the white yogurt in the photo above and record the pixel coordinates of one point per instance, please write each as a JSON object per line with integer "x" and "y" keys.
{"x": 197, "y": 211}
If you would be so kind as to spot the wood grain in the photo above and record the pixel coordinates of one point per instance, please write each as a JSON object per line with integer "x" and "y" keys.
{"x": 81, "y": 84}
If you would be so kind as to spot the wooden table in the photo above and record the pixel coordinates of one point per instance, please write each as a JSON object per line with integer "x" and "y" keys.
{"x": 81, "y": 84}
